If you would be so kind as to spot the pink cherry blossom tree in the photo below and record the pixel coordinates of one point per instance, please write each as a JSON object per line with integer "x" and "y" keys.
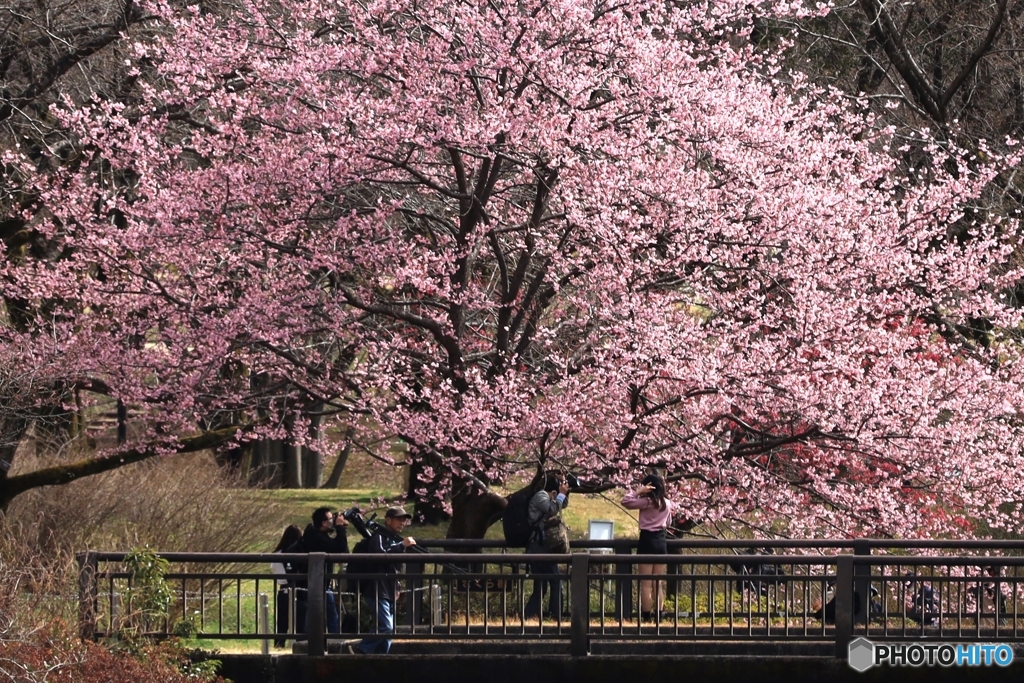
{"x": 600, "y": 236}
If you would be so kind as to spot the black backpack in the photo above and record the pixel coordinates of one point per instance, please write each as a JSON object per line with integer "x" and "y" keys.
{"x": 363, "y": 586}
{"x": 515, "y": 522}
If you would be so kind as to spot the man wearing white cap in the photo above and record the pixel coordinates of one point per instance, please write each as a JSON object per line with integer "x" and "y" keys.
{"x": 386, "y": 540}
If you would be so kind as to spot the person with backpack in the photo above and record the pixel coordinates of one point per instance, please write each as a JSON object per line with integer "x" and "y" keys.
{"x": 384, "y": 593}
{"x": 544, "y": 505}
{"x": 655, "y": 516}
{"x": 317, "y": 538}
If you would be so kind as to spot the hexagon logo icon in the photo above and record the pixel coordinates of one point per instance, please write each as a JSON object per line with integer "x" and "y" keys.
{"x": 861, "y": 654}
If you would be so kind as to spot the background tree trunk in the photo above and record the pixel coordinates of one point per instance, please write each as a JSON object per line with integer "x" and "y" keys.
{"x": 312, "y": 461}
{"x": 474, "y": 512}
{"x": 334, "y": 481}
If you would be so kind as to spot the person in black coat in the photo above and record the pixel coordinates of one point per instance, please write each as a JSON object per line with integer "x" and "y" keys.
{"x": 318, "y": 538}
{"x": 387, "y": 539}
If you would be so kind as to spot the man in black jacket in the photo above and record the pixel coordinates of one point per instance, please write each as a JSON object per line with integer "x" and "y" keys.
{"x": 387, "y": 539}
{"x": 317, "y": 539}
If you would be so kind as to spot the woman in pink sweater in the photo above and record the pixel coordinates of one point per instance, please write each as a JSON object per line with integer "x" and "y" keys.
{"x": 655, "y": 515}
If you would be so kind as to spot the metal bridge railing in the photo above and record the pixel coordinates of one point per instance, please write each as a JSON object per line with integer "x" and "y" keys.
{"x": 814, "y": 593}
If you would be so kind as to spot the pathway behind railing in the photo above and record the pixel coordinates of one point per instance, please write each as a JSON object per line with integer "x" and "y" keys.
{"x": 808, "y": 591}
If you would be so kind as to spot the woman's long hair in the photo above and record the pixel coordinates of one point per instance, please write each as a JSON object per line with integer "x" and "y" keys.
{"x": 657, "y": 494}
{"x": 291, "y": 534}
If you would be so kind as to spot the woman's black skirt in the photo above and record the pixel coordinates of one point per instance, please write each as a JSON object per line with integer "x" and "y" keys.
{"x": 652, "y": 543}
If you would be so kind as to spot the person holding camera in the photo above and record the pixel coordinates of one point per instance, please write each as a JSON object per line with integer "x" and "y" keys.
{"x": 655, "y": 516}
{"x": 545, "y": 504}
{"x": 387, "y": 538}
{"x": 326, "y": 534}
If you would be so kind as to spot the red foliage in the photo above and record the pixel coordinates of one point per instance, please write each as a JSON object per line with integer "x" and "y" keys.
{"x": 58, "y": 658}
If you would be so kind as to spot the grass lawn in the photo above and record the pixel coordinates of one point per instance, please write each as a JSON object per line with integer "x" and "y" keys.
{"x": 367, "y": 483}
{"x": 294, "y": 506}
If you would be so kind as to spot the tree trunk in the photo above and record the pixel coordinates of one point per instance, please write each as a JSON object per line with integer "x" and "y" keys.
{"x": 312, "y": 462}
{"x": 12, "y": 431}
{"x": 292, "y": 466}
{"x": 474, "y": 512}
{"x": 334, "y": 481}
{"x": 268, "y": 463}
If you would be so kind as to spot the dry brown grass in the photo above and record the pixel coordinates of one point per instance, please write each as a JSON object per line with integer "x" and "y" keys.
{"x": 179, "y": 503}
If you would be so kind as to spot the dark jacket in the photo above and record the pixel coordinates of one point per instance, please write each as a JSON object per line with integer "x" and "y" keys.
{"x": 316, "y": 541}
{"x": 385, "y": 541}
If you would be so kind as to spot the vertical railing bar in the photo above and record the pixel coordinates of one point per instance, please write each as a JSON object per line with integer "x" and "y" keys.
{"x": 315, "y": 603}
{"x": 238, "y": 606}
{"x": 579, "y": 567}
{"x": 886, "y": 576}
{"x": 504, "y": 601}
{"x": 110, "y": 602}
{"x": 1016, "y": 600}
{"x": 451, "y": 622}
{"x": 711, "y": 600}
{"x": 788, "y": 591}
{"x": 521, "y": 582}
{"x": 961, "y": 600}
{"x": 901, "y": 588}
{"x": 944, "y": 599}
{"x": 675, "y": 598}
{"x": 753, "y": 601}
{"x": 693, "y": 598}
{"x": 844, "y": 603}
{"x": 128, "y": 590}
{"x": 487, "y": 598}
{"x": 359, "y": 605}
{"x": 263, "y": 614}
{"x": 730, "y": 595}
{"x": 805, "y": 598}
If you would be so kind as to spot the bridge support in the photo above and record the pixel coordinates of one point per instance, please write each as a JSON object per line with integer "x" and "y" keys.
{"x": 844, "y": 604}
{"x": 579, "y": 568}
{"x": 315, "y": 604}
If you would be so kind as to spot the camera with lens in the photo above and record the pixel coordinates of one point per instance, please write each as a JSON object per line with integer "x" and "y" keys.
{"x": 366, "y": 526}
{"x": 573, "y": 481}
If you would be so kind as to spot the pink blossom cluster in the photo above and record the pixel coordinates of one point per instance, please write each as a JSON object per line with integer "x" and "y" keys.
{"x": 609, "y": 227}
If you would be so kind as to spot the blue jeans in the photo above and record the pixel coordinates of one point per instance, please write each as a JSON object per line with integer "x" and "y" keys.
{"x": 331, "y": 612}
{"x": 385, "y": 624}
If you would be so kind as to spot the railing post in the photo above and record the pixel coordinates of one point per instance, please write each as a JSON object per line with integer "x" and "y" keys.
{"x": 87, "y": 568}
{"x": 315, "y": 604}
{"x": 623, "y": 587}
{"x": 844, "y": 604}
{"x": 265, "y": 622}
{"x": 579, "y": 570}
{"x": 862, "y": 584}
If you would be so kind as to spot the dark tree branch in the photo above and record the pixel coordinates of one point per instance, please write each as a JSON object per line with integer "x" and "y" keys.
{"x": 62, "y": 474}
{"x": 976, "y": 56}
